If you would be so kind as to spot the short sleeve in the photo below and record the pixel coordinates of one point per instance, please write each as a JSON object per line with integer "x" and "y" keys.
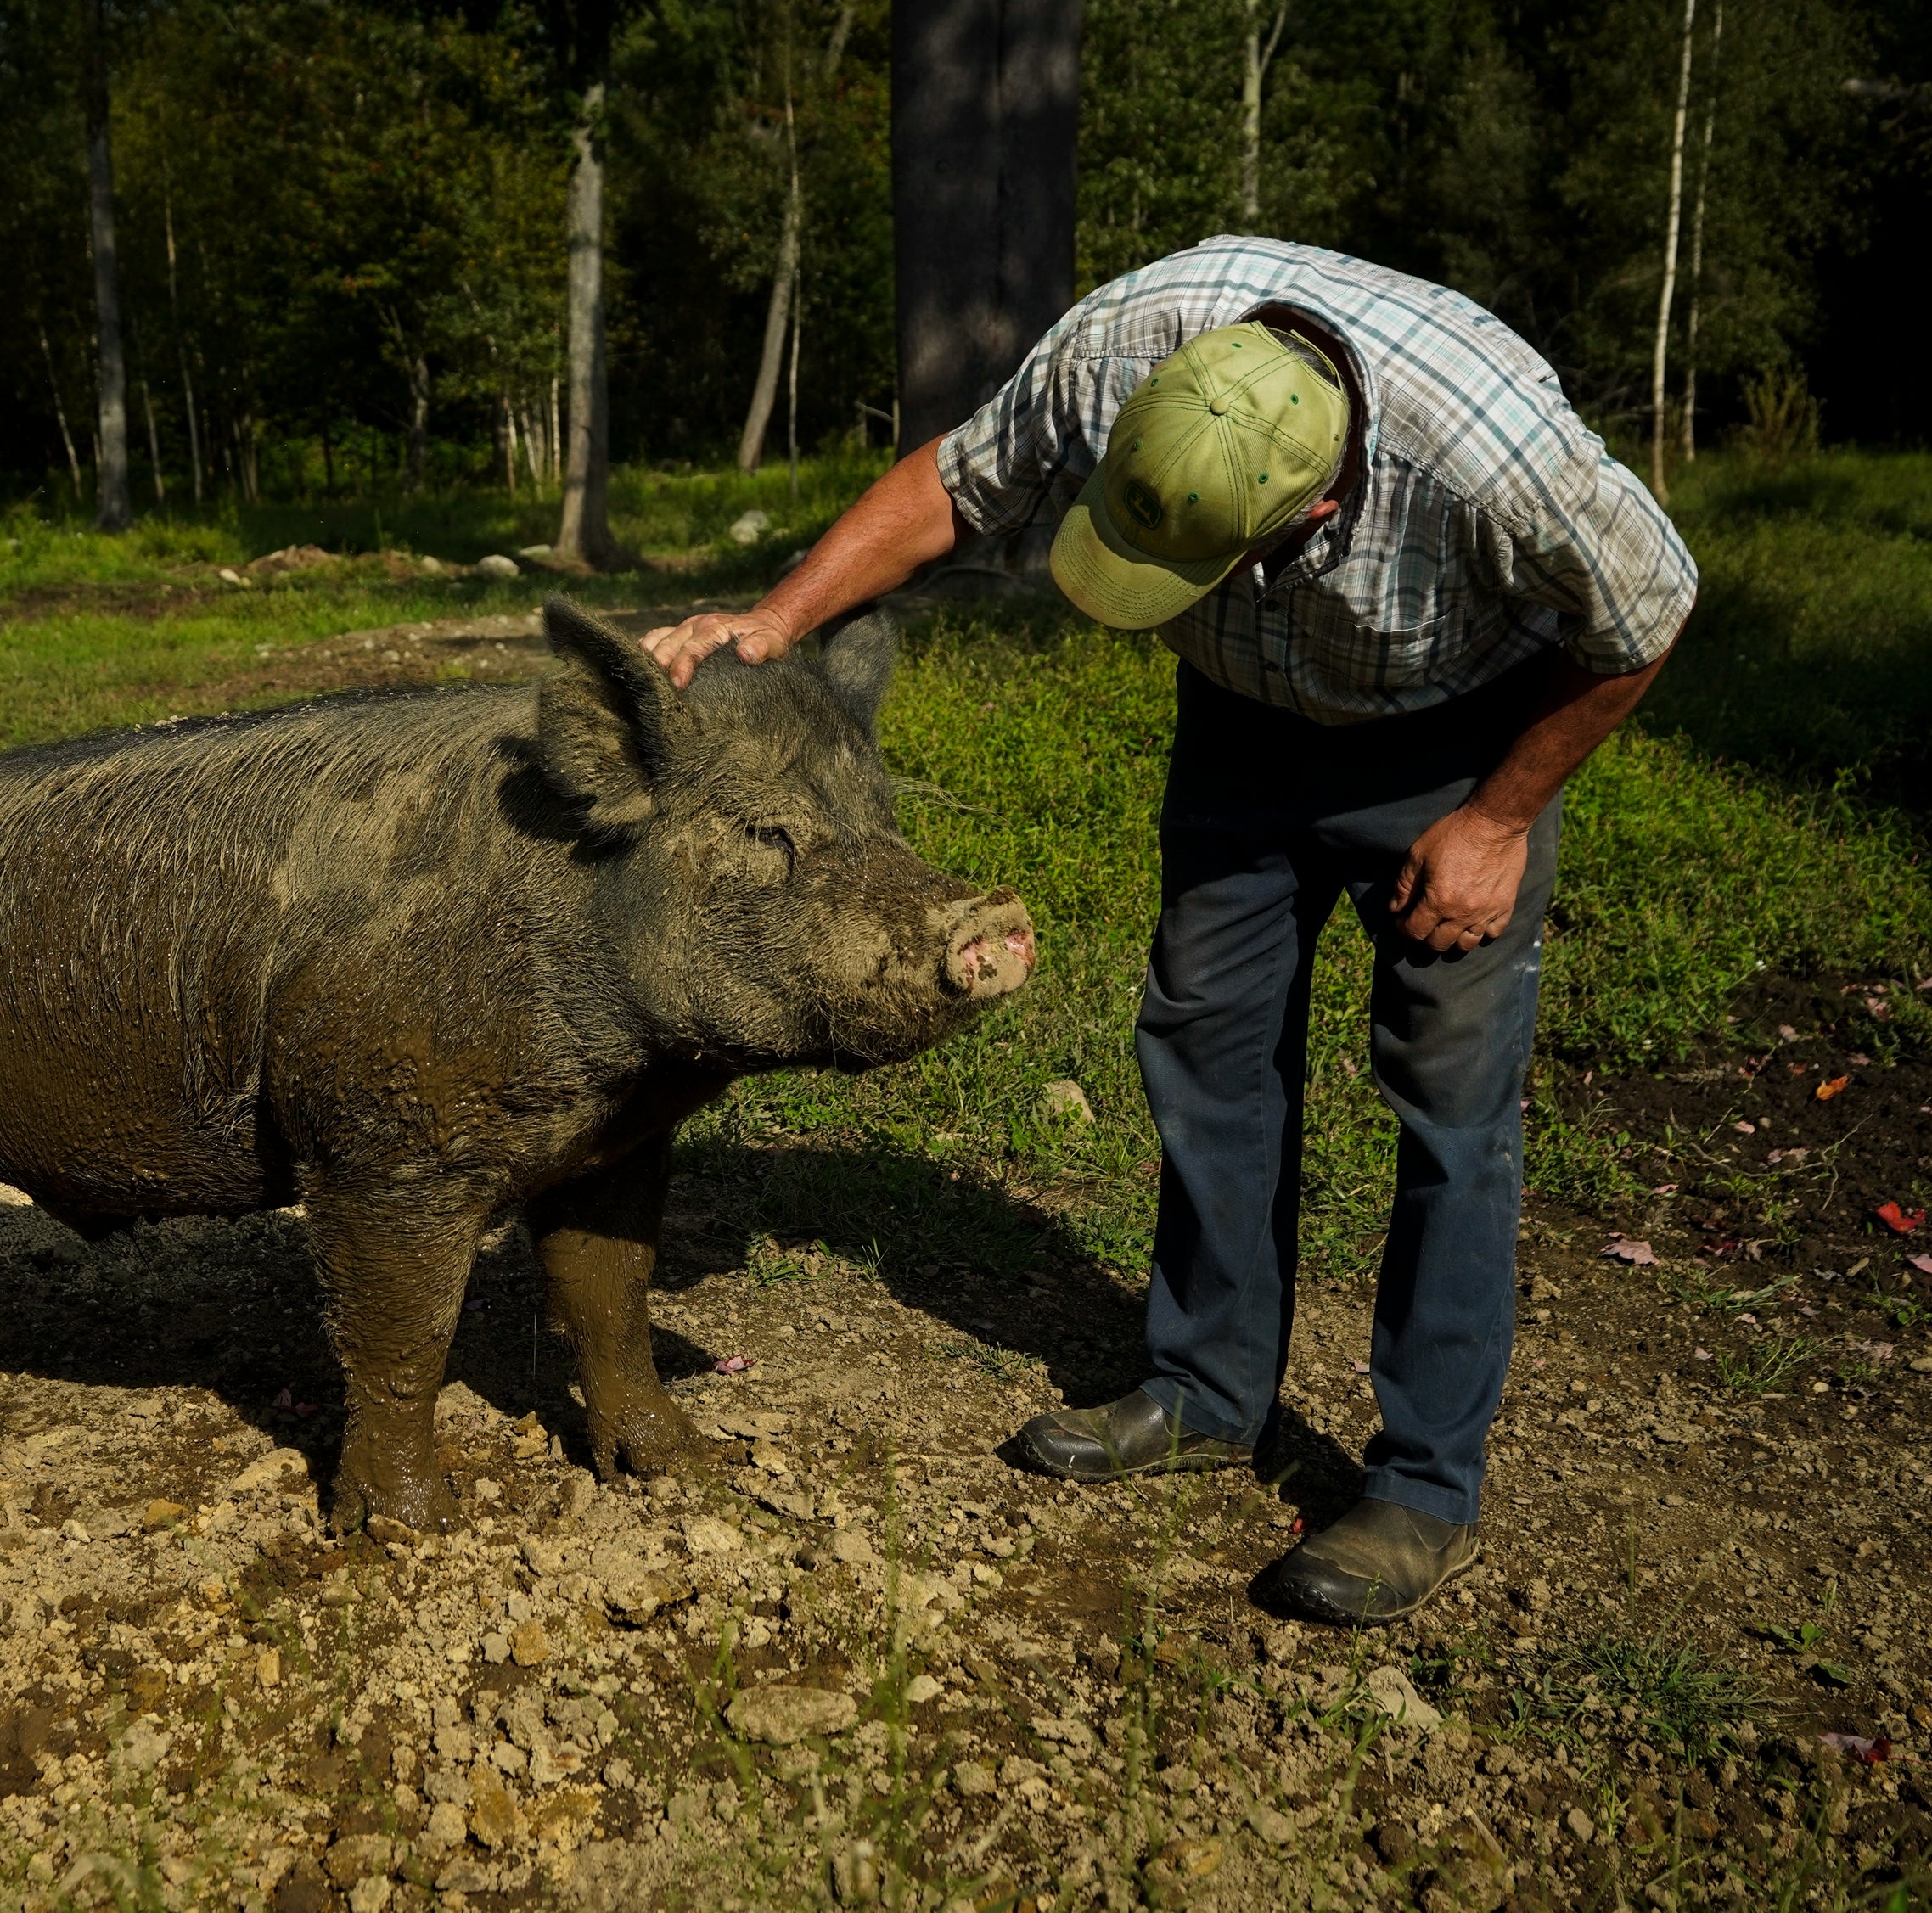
{"x": 1027, "y": 443}
{"x": 1602, "y": 553}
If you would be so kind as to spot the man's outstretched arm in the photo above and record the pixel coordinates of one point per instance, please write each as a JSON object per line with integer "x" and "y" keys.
{"x": 904, "y": 520}
{"x": 1459, "y": 882}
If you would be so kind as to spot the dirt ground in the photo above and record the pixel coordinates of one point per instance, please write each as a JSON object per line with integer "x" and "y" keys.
{"x": 1004, "y": 1690}
{"x": 869, "y": 1661}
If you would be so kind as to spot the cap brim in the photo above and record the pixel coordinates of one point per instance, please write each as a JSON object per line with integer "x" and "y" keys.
{"x": 1110, "y": 580}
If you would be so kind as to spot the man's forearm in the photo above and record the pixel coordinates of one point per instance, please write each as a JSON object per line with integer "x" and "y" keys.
{"x": 1579, "y": 710}
{"x": 904, "y": 520}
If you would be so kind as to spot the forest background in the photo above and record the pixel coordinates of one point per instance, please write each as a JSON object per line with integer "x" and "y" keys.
{"x": 341, "y": 228}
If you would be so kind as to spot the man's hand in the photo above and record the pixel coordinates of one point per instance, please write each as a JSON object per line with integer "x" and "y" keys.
{"x": 1458, "y": 883}
{"x": 760, "y": 635}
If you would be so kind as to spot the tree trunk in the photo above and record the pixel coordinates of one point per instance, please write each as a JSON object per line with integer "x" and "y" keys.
{"x": 1672, "y": 226}
{"x": 778, "y": 321}
{"x": 791, "y": 430}
{"x": 506, "y": 414}
{"x": 1255, "y": 71}
{"x": 785, "y": 270}
{"x": 419, "y": 442}
{"x": 153, "y": 443}
{"x": 553, "y": 437}
{"x": 584, "y": 534}
{"x": 1688, "y": 445}
{"x": 116, "y": 513}
{"x": 328, "y": 462}
{"x": 60, "y": 417}
{"x": 986, "y": 100}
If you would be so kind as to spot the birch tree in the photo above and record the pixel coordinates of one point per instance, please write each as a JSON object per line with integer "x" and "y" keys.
{"x": 1672, "y": 225}
{"x": 1688, "y": 445}
{"x": 1254, "y": 71}
{"x": 114, "y": 511}
{"x": 585, "y": 533}
{"x": 782, "y": 309}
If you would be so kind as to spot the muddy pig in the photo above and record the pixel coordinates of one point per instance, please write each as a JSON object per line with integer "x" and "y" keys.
{"x": 408, "y": 958}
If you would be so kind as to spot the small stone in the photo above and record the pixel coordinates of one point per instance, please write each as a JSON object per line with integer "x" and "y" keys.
{"x": 1580, "y": 1824}
{"x": 1064, "y": 1101}
{"x": 1394, "y": 1692}
{"x": 849, "y": 1545}
{"x": 495, "y": 1818}
{"x": 706, "y": 1533}
{"x": 1270, "y": 1823}
{"x": 778, "y": 1715}
{"x": 771, "y": 1459}
{"x": 497, "y": 566}
{"x": 1193, "y": 1859}
{"x": 446, "y": 1827}
{"x": 356, "y": 1856}
{"x": 972, "y": 1778}
{"x": 1921, "y": 1365}
{"x": 533, "y": 550}
{"x": 1536, "y": 1596}
{"x": 922, "y": 1688}
{"x": 749, "y": 527}
{"x": 529, "y": 1645}
{"x": 432, "y": 565}
{"x": 371, "y": 1895}
{"x": 268, "y": 1667}
{"x": 496, "y": 1649}
{"x": 302, "y": 1888}
{"x": 73, "y": 1531}
{"x": 160, "y": 1514}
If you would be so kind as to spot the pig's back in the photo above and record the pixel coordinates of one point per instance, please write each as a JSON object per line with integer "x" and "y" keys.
{"x": 157, "y": 886}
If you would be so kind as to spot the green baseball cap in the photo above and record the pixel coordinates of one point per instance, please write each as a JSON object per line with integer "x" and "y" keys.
{"x": 1221, "y": 446}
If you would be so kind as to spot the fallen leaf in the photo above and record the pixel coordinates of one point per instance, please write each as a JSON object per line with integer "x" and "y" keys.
{"x": 1836, "y": 1087}
{"x": 1874, "y": 1352}
{"x": 734, "y": 1364}
{"x": 1787, "y": 1033}
{"x": 1748, "y": 1319}
{"x": 1360, "y": 1367}
{"x": 1900, "y": 1221}
{"x": 1922, "y": 1263}
{"x": 285, "y": 1399}
{"x": 1745, "y": 1128}
{"x": 1871, "y": 1752}
{"x": 1701, "y": 1355}
{"x": 1626, "y": 1250}
{"x": 1664, "y": 1189}
{"x": 1859, "y": 1058}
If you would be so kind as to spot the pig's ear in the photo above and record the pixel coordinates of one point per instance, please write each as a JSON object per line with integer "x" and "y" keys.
{"x": 605, "y": 718}
{"x": 858, "y": 651}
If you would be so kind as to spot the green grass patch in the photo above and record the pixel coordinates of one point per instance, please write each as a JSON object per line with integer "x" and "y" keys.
{"x": 1734, "y": 835}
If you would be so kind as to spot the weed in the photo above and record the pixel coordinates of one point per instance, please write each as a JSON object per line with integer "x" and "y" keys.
{"x": 1659, "y": 1688}
{"x": 1767, "y": 1362}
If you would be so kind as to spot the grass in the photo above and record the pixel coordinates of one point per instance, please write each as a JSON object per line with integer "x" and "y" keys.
{"x": 1763, "y": 817}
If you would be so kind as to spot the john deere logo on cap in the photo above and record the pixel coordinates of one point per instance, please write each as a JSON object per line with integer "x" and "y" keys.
{"x": 1145, "y": 505}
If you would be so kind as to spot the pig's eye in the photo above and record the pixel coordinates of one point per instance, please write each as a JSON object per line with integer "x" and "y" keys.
{"x": 772, "y": 837}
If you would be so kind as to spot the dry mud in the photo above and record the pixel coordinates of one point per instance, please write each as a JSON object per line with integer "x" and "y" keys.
{"x": 1005, "y": 1693}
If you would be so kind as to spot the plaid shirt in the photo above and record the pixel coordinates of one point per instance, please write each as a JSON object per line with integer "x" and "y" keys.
{"x": 1488, "y": 524}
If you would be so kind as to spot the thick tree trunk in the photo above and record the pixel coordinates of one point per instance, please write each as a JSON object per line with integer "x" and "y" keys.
{"x": 115, "y": 511}
{"x": 584, "y": 534}
{"x": 986, "y": 100}
{"x": 1673, "y": 225}
{"x": 418, "y": 443}
{"x": 1688, "y": 444}
{"x": 1254, "y": 71}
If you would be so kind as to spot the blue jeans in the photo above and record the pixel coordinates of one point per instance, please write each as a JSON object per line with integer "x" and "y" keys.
{"x": 1268, "y": 819}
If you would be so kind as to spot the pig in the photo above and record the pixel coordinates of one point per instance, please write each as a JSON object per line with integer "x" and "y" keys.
{"x": 409, "y": 958}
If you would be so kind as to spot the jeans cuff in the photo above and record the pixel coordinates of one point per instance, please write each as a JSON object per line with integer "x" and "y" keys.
{"x": 1185, "y": 1405}
{"x": 1425, "y": 1497}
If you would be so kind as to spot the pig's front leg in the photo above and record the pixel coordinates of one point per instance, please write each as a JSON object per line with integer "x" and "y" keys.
{"x": 394, "y": 1264}
{"x": 597, "y": 1236}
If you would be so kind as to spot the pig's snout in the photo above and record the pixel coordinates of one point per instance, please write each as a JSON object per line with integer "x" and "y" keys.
{"x": 989, "y": 945}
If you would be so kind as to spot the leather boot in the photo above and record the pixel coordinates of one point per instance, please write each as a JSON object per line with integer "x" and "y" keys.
{"x": 1134, "y": 1435}
{"x": 1378, "y": 1561}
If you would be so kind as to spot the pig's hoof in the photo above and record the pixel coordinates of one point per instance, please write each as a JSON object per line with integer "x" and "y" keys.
{"x": 427, "y": 1506}
{"x": 653, "y": 1438}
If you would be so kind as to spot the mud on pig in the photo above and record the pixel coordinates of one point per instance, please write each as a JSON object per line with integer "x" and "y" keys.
{"x": 408, "y": 958}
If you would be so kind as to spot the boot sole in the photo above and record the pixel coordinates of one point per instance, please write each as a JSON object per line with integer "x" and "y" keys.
{"x": 1311, "y": 1606}
{"x": 1180, "y": 1464}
